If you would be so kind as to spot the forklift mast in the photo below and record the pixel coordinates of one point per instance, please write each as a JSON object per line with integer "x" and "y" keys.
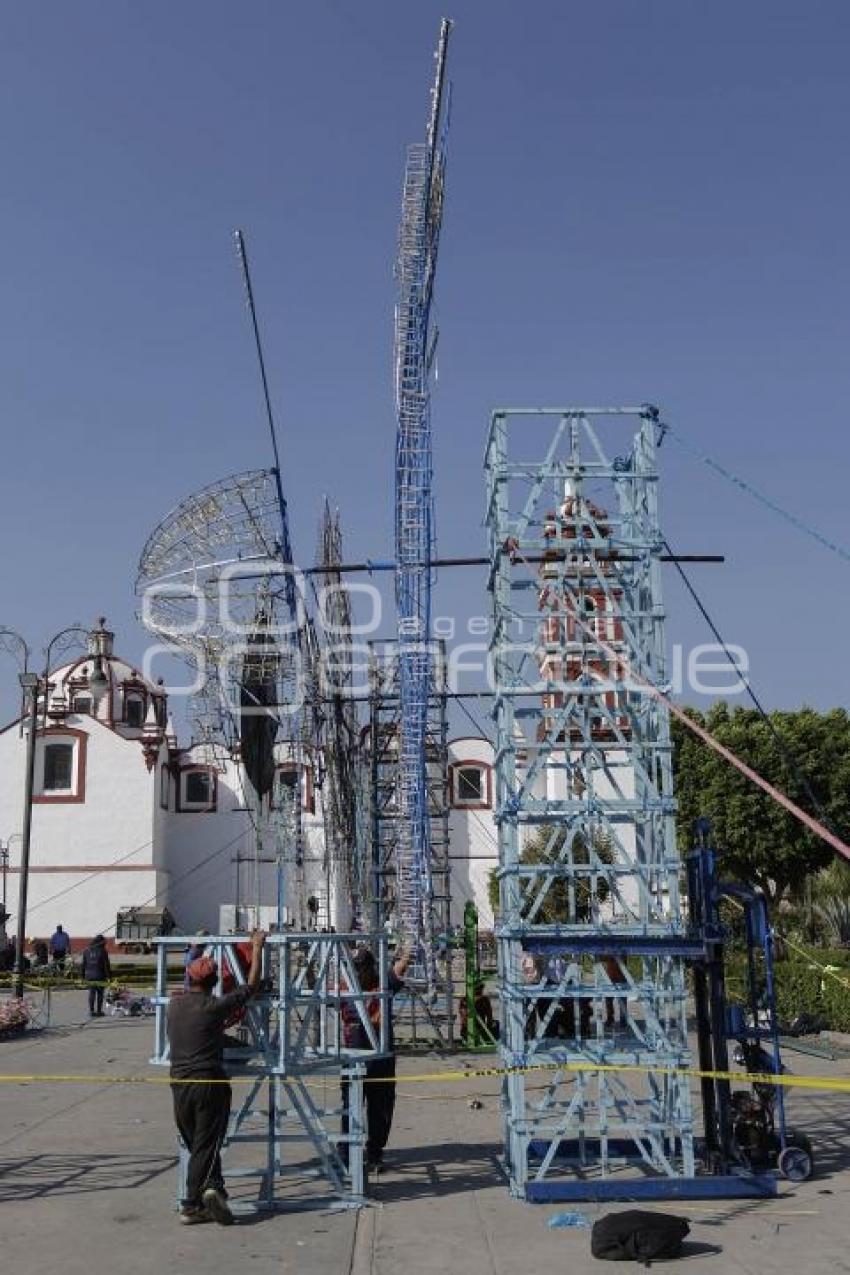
{"x": 752, "y": 1024}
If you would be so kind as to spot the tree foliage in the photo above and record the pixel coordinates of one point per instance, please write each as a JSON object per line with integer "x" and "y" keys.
{"x": 762, "y": 843}
{"x": 545, "y": 846}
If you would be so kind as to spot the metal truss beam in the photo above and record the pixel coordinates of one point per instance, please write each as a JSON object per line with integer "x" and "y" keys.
{"x": 292, "y": 1037}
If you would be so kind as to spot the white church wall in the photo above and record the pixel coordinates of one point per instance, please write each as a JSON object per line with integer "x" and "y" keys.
{"x": 473, "y": 845}
{"x": 205, "y": 848}
{"x": 89, "y": 857}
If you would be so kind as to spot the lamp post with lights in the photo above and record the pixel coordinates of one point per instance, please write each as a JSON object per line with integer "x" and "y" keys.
{"x": 31, "y": 684}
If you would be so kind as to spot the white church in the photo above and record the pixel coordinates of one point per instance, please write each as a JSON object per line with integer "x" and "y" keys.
{"x": 125, "y": 817}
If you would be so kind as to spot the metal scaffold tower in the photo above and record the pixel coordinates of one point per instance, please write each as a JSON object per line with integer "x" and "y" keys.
{"x": 592, "y": 937}
{"x": 431, "y": 1015}
{"x": 344, "y": 799}
{"x": 288, "y": 1130}
{"x": 385, "y": 803}
{"x": 415, "y": 345}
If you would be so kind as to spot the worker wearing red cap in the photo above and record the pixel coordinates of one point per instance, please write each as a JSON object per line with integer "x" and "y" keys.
{"x": 196, "y": 1024}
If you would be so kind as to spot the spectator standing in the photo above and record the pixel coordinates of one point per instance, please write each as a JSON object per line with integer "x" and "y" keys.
{"x": 483, "y": 1009}
{"x": 96, "y": 972}
{"x": 60, "y": 946}
{"x": 7, "y": 954}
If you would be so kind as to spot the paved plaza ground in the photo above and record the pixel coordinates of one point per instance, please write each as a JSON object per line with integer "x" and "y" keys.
{"x": 87, "y": 1181}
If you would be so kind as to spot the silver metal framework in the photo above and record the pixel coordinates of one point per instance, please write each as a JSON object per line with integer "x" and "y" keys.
{"x": 293, "y": 1052}
{"x": 591, "y": 933}
{"x": 415, "y": 345}
{"x": 426, "y": 1007}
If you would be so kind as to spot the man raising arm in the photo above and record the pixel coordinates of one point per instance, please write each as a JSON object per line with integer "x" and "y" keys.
{"x": 196, "y": 1024}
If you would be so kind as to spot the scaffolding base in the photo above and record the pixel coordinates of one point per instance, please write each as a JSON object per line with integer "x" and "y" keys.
{"x": 728, "y": 1186}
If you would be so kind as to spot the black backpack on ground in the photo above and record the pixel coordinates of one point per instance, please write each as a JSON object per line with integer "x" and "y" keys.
{"x": 638, "y": 1236}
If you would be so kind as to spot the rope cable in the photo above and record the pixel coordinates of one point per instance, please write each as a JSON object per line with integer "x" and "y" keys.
{"x": 790, "y": 760}
{"x": 750, "y": 490}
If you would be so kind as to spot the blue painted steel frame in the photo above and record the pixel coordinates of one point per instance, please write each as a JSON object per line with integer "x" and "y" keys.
{"x": 583, "y": 754}
{"x": 294, "y": 1037}
{"x": 721, "y": 1187}
{"x": 414, "y": 533}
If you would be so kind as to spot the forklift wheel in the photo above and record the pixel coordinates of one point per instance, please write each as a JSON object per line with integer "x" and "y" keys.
{"x": 796, "y": 1164}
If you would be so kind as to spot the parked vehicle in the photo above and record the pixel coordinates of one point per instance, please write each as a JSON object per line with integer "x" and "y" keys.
{"x": 135, "y": 928}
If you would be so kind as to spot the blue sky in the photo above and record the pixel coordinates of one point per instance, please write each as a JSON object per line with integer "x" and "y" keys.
{"x": 647, "y": 201}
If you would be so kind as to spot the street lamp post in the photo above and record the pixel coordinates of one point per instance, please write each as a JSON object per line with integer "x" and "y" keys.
{"x": 29, "y": 685}
{"x": 4, "y": 868}
{"x": 99, "y": 685}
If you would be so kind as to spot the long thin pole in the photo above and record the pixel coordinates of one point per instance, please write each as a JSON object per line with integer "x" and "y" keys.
{"x": 371, "y": 565}
{"x": 23, "y": 886}
{"x": 285, "y": 550}
{"x": 246, "y": 275}
{"x": 242, "y": 252}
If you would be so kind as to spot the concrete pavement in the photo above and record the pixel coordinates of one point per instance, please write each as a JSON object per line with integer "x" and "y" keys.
{"x": 87, "y": 1177}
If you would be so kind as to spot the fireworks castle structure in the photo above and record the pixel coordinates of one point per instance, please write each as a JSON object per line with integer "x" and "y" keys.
{"x": 415, "y": 348}
{"x": 593, "y": 940}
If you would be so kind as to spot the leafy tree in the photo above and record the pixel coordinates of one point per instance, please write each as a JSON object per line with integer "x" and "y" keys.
{"x": 761, "y": 842}
{"x": 830, "y": 900}
{"x": 545, "y": 846}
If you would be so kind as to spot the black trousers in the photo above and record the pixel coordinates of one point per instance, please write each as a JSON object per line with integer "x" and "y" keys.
{"x": 379, "y": 1097}
{"x": 201, "y": 1112}
{"x": 96, "y": 1000}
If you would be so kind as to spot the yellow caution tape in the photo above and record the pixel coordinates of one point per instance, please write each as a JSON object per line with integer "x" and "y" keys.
{"x": 824, "y": 969}
{"x": 835, "y": 1085}
{"x": 70, "y": 984}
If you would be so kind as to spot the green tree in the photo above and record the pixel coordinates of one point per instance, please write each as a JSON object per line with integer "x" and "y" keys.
{"x": 546, "y": 846}
{"x": 830, "y": 900}
{"x": 761, "y": 842}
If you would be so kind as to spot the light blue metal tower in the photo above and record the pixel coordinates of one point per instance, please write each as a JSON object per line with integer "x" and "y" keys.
{"x": 592, "y": 938}
{"x": 415, "y": 345}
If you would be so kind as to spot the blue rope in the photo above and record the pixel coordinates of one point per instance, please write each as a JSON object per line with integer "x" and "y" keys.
{"x": 759, "y": 496}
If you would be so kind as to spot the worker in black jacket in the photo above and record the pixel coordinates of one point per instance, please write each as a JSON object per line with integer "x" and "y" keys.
{"x": 97, "y": 973}
{"x": 196, "y": 1023}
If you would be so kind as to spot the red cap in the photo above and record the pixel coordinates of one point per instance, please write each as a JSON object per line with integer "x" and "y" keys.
{"x": 202, "y": 969}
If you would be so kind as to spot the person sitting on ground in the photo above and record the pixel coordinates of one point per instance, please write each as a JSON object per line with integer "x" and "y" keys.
{"x": 60, "y": 945}
{"x": 195, "y": 1025}
{"x": 97, "y": 973}
{"x": 379, "y": 1089}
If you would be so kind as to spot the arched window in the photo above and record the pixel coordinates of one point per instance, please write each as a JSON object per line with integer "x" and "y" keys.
{"x": 285, "y": 779}
{"x": 60, "y": 765}
{"x": 470, "y": 785}
{"x": 198, "y": 790}
{"x": 134, "y": 709}
{"x": 164, "y": 787}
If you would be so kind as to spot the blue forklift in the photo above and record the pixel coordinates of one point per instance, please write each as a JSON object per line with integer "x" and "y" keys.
{"x": 745, "y": 1129}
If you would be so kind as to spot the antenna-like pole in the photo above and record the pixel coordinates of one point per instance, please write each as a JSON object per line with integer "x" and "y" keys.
{"x": 439, "y": 84}
{"x": 242, "y": 253}
{"x": 285, "y": 545}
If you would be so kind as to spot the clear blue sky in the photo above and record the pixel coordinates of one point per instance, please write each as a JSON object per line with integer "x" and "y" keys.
{"x": 648, "y": 200}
